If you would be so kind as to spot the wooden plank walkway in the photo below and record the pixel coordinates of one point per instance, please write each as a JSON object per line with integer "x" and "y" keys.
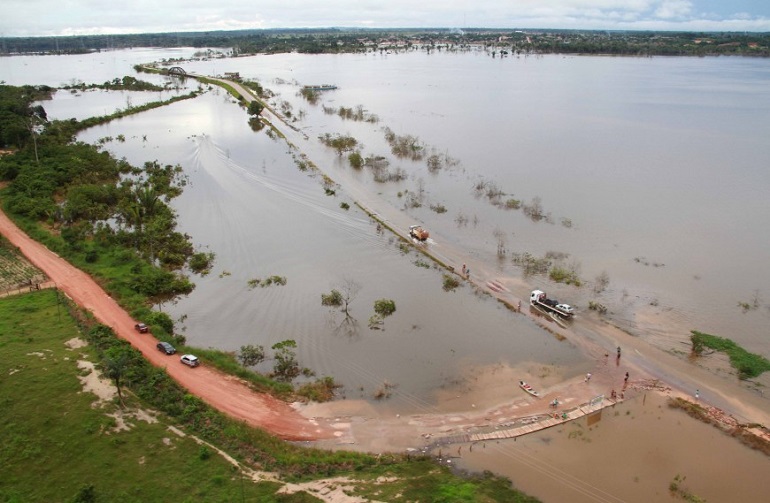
{"x": 530, "y": 425}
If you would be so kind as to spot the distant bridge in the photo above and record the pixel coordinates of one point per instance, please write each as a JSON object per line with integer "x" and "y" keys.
{"x": 177, "y": 70}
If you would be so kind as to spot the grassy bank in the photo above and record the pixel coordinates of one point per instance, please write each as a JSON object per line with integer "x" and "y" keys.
{"x": 52, "y": 433}
{"x": 51, "y": 430}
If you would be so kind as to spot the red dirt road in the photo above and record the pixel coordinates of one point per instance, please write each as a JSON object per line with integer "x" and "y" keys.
{"x": 225, "y": 393}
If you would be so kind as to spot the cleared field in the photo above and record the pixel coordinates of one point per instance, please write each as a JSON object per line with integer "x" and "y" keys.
{"x": 16, "y": 273}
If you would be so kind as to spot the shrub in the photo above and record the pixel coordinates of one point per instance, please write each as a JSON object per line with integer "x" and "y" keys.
{"x": 450, "y": 283}
{"x": 251, "y": 355}
{"x": 333, "y": 298}
{"x": 513, "y": 204}
{"x": 384, "y": 307}
{"x": 355, "y": 159}
{"x": 563, "y": 275}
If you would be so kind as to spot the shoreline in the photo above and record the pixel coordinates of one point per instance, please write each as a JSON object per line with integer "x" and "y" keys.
{"x": 591, "y": 333}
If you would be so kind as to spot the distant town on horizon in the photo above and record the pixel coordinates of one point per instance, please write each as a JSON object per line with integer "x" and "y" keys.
{"x": 351, "y": 40}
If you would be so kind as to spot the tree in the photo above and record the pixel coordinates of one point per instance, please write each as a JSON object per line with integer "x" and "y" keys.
{"x": 286, "y": 366}
{"x": 251, "y": 355}
{"x": 342, "y": 296}
{"x": 333, "y": 298}
{"x": 36, "y": 120}
{"x": 356, "y": 160}
{"x": 255, "y": 108}
{"x": 384, "y": 307}
{"x": 115, "y": 364}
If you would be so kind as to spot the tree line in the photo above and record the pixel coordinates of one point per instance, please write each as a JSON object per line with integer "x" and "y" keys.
{"x": 103, "y": 214}
{"x": 338, "y": 40}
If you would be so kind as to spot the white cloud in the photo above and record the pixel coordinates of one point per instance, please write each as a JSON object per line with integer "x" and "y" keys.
{"x": 672, "y": 9}
{"x": 79, "y": 17}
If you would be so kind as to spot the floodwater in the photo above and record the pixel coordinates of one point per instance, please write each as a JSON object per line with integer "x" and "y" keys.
{"x": 631, "y": 454}
{"x": 653, "y": 170}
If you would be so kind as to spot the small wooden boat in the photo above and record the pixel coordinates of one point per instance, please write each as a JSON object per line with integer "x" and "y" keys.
{"x": 526, "y": 387}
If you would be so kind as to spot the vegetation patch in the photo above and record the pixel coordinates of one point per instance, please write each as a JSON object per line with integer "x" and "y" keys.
{"x": 747, "y": 364}
{"x": 127, "y": 83}
{"x": 450, "y": 282}
{"x": 678, "y": 490}
{"x": 265, "y": 282}
{"x": 531, "y": 264}
{"x": 340, "y": 143}
{"x": 561, "y": 274}
{"x": 15, "y": 271}
{"x": 44, "y": 405}
{"x": 405, "y": 146}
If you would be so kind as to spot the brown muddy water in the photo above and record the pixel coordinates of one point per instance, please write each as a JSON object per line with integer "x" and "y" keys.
{"x": 655, "y": 163}
{"x": 631, "y": 454}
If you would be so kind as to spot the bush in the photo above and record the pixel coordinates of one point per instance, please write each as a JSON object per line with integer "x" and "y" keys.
{"x": 562, "y": 275}
{"x": 450, "y": 283}
{"x": 513, "y": 204}
{"x": 251, "y": 355}
{"x": 200, "y": 263}
{"x": 384, "y": 307}
{"x": 334, "y": 298}
{"x": 162, "y": 320}
{"x": 355, "y": 159}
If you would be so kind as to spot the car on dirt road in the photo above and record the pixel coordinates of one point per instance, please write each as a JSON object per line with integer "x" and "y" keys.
{"x": 165, "y": 347}
{"x": 141, "y": 328}
{"x": 190, "y": 360}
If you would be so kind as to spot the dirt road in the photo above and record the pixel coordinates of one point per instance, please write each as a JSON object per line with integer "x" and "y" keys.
{"x": 225, "y": 393}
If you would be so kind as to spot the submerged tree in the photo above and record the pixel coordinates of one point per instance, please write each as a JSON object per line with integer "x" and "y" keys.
{"x": 251, "y": 355}
{"x": 342, "y": 296}
{"x": 286, "y": 366}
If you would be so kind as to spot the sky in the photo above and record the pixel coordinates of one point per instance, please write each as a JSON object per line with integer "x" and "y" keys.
{"x": 23, "y": 18}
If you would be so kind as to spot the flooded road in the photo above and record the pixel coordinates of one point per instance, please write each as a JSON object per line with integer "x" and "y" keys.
{"x": 632, "y": 455}
{"x": 638, "y": 176}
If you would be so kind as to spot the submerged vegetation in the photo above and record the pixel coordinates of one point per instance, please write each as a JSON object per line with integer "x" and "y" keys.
{"x": 747, "y": 364}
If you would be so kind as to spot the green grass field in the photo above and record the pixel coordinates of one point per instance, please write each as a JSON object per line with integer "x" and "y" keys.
{"x": 58, "y": 446}
{"x": 55, "y": 444}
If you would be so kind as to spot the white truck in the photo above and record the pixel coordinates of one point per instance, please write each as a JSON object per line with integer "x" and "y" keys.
{"x": 538, "y": 298}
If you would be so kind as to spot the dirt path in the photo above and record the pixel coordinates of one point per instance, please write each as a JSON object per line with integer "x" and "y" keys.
{"x": 225, "y": 393}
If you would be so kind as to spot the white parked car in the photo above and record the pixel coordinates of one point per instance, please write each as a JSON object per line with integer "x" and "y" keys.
{"x": 190, "y": 360}
{"x": 565, "y": 307}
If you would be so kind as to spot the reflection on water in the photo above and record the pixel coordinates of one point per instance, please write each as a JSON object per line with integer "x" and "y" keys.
{"x": 250, "y": 204}
{"x": 647, "y": 159}
{"x": 658, "y": 164}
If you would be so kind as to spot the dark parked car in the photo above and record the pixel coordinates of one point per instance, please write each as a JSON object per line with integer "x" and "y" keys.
{"x": 167, "y": 348}
{"x": 141, "y": 328}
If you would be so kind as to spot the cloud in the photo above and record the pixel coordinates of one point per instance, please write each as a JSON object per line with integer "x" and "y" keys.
{"x": 81, "y": 17}
{"x": 674, "y": 9}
